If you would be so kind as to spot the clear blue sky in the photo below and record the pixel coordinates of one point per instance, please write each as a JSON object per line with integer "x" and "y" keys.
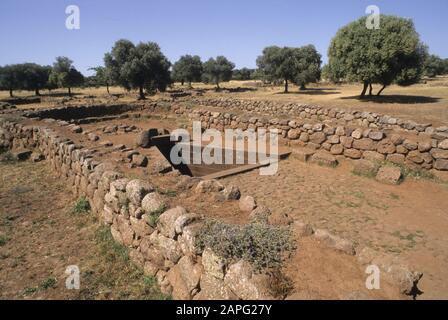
{"x": 34, "y": 31}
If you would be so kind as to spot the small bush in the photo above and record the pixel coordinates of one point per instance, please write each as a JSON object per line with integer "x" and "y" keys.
{"x": 3, "y": 240}
{"x": 48, "y": 283}
{"x": 153, "y": 218}
{"x": 264, "y": 246}
{"x": 81, "y": 206}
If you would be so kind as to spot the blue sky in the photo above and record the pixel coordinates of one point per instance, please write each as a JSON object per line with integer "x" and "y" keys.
{"x": 34, "y": 31}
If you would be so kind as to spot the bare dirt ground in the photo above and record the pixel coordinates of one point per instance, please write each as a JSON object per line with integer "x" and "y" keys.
{"x": 41, "y": 236}
{"x": 409, "y": 220}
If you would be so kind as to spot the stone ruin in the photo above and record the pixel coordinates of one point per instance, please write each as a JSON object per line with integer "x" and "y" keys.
{"x": 167, "y": 249}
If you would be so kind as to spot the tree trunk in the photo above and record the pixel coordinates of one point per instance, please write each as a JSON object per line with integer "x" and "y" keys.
{"x": 217, "y": 85}
{"x": 302, "y": 86}
{"x": 286, "y": 85}
{"x": 364, "y": 90}
{"x": 107, "y": 88}
{"x": 69, "y": 92}
{"x": 37, "y": 92}
{"x": 189, "y": 85}
{"x": 10, "y": 93}
{"x": 141, "y": 93}
{"x": 182, "y": 82}
{"x": 379, "y": 92}
{"x": 370, "y": 89}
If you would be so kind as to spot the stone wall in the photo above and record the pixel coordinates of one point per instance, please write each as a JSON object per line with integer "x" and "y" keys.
{"x": 167, "y": 249}
{"x": 319, "y": 114}
{"x": 68, "y": 113}
{"x": 416, "y": 151}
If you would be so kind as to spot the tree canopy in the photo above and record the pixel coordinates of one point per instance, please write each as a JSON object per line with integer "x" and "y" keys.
{"x": 187, "y": 68}
{"x": 25, "y": 76}
{"x": 297, "y": 65}
{"x": 243, "y": 74}
{"x": 141, "y": 66}
{"x": 435, "y": 66}
{"x": 65, "y": 75}
{"x": 101, "y": 77}
{"x": 218, "y": 70}
{"x": 391, "y": 54}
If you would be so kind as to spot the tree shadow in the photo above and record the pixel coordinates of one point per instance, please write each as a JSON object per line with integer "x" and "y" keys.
{"x": 239, "y": 89}
{"x": 401, "y": 99}
{"x": 313, "y": 91}
{"x": 59, "y": 94}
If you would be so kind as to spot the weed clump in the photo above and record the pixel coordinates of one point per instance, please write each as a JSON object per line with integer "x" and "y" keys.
{"x": 81, "y": 206}
{"x": 264, "y": 246}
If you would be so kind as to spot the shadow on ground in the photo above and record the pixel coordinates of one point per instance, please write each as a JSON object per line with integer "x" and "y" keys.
{"x": 395, "y": 99}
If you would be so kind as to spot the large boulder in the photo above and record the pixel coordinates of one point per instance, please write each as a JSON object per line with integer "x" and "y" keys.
{"x": 166, "y": 223}
{"x": 136, "y": 190}
{"x": 365, "y": 168}
{"x": 247, "y": 204}
{"x": 152, "y": 203}
{"x": 214, "y": 289}
{"x": 323, "y": 157}
{"x": 242, "y": 280}
{"x": 389, "y": 175}
{"x": 335, "y": 242}
{"x": 207, "y": 186}
{"x": 213, "y": 264}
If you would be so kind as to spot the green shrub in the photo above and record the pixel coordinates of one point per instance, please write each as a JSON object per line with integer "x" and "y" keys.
{"x": 48, "y": 283}
{"x": 153, "y": 218}
{"x": 3, "y": 240}
{"x": 81, "y": 206}
{"x": 264, "y": 246}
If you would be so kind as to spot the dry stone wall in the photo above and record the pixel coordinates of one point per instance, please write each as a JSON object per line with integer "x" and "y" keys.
{"x": 167, "y": 249}
{"x": 320, "y": 114}
{"x": 421, "y": 151}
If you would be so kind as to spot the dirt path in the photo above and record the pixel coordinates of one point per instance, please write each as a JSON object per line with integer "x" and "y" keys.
{"x": 40, "y": 235}
{"x": 409, "y": 220}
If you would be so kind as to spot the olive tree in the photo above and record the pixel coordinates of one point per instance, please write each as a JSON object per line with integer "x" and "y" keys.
{"x": 142, "y": 66}
{"x": 34, "y": 77}
{"x": 9, "y": 78}
{"x": 434, "y": 66}
{"x": 218, "y": 70}
{"x": 187, "y": 68}
{"x": 391, "y": 54}
{"x": 65, "y": 75}
{"x": 297, "y": 65}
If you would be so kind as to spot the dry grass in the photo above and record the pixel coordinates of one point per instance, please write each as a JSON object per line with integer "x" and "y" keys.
{"x": 38, "y": 242}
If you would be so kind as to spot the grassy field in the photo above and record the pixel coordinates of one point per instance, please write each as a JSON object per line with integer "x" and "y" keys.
{"x": 426, "y": 102}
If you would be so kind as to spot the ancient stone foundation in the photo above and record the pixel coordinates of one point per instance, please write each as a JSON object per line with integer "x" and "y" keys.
{"x": 167, "y": 249}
